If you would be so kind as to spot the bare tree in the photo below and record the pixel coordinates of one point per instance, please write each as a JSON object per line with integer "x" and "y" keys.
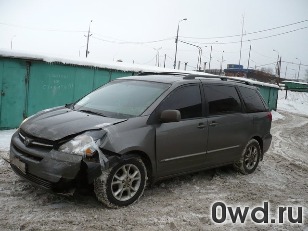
{"x": 267, "y": 70}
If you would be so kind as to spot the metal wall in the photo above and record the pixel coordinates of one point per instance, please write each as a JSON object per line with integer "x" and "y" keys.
{"x": 296, "y": 86}
{"x": 28, "y": 86}
{"x": 270, "y": 96}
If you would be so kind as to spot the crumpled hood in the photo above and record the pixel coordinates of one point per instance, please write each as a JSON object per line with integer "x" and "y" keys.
{"x": 60, "y": 122}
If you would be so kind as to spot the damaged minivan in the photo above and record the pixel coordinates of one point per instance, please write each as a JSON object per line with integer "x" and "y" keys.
{"x": 137, "y": 130}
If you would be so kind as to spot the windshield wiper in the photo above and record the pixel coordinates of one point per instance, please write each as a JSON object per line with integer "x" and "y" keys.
{"x": 92, "y": 112}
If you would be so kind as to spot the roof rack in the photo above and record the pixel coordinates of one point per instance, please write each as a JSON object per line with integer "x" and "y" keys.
{"x": 191, "y": 76}
{"x": 162, "y": 73}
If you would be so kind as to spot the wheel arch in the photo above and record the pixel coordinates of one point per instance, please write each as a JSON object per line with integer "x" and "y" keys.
{"x": 145, "y": 158}
{"x": 260, "y": 141}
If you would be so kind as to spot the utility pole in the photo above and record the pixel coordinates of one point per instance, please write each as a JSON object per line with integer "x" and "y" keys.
{"x": 279, "y": 67}
{"x": 204, "y": 66}
{"x": 299, "y": 68}
{"x": 222, "y": 59}
{"x": 210, "y": 58}
{"x": 176, "y": 41}
{"x": 249, "y": 56}
{"x": 239, "y": 62}
{"x": 165, "y": 60}
{"x": 185, "y": 66}
{"x": 87, "y": 50}
{"x": 179, "y": 65}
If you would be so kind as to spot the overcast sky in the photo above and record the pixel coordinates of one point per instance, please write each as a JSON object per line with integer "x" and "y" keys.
{"x": 127, "y": 30}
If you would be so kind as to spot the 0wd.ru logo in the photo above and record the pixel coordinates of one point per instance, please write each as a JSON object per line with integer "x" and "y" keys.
{"x": 220, "y": 212}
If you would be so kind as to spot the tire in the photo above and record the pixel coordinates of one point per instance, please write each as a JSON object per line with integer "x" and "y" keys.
{"x": 122, "y": 184}
{"x": 250, "y": 158}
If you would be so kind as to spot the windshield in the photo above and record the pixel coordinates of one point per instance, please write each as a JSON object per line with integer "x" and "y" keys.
{"x": 122, "y": 99}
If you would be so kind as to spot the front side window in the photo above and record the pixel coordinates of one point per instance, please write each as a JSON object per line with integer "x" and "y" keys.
{"x": 122, "y": 99}
{"x": 252, "y": 100}
{"x": 186, "y": 99}
{"x": 222, "y": 99}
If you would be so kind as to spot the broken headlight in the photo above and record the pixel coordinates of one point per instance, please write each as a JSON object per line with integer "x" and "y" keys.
{"x": 83, "y": 144}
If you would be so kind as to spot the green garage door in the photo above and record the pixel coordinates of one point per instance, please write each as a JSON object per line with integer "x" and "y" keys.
{"x": 13, "y": 92}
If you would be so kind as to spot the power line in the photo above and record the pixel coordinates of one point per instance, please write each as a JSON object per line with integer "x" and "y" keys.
{"x": 42, "y": 29}
{"x": 255, "y": 32}
{"x": 132, "y": 42}
{"x": 268, "y": 64}
{"x": 248, "y": 40}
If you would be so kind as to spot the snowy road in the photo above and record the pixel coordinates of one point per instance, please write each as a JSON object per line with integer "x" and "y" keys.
{"x": 182, "y": 203}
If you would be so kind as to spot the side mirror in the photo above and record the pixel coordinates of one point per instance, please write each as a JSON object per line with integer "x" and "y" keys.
{"x": 168, "y": 116}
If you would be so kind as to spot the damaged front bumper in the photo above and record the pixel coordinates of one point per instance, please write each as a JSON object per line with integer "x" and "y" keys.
{"x": 51, "y": 169}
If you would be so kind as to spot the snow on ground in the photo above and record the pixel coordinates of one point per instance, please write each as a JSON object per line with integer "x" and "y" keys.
{"x": 276, "y": 115}
{"x": 296, "y": 102}
{"x": 5, "y": 139}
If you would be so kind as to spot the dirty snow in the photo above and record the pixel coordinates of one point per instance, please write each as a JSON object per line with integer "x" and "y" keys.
{"x": 277, "y": 116}
{"x": 5, "y": 138}
{"x": 296, "y": 102}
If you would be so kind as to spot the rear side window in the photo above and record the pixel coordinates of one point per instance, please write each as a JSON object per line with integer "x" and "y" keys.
{"x": 222, "y": 99}
{"x": 186, "y": 99}
{"x": 252, "y": 100}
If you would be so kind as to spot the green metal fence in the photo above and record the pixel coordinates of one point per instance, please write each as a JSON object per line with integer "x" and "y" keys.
{"x": 296, "y": 86}
{"x": 28, "y": 86}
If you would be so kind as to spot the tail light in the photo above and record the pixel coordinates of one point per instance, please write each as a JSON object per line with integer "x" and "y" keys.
{"x": 269, "y": 116}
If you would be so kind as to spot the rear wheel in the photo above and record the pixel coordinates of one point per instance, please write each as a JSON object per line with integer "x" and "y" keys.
{"x": 123, "y": 184}
{"x": 250, "y": 158}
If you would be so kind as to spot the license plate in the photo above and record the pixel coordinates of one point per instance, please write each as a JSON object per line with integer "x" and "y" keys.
{"x": 20, "y": 165}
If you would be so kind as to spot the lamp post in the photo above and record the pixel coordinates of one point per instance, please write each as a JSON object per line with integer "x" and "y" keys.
{"x": 249, "y": 55}
{"x": 199, "y": 52}
{"x": 222, "y": 59}
{"x": 176, "y": 41}
{"x": 299, "y": 67}
{"x": 87, "y": 50}
{"x": 211, "y": 56}
{"x": 277, "y": 65}
{"x": 157, "y": 55}
{"x": 12, "y": 41}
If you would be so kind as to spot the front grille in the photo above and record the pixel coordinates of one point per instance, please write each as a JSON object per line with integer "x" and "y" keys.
{"x": 43, "y": 183}
{"x": 34, "y": 141}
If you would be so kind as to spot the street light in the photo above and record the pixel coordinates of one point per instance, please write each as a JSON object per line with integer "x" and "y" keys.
{"x": 199, "y": 55}
{"x": 211, "y": 56}
{"x": 12, "y": 41}
{"x": 157, "y": 55}
{"x": 249, "y": 54}
{"x": 222, "y": 60}
{"x": 176, "y": 41}
{"x": 87, "y": 50}
{"x": 299, "y": 67}
{"x": 277, "y": 65}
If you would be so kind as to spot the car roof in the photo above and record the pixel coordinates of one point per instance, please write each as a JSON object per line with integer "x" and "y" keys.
{"x": 156, "y": 78}
{"x": 179, "y": 77}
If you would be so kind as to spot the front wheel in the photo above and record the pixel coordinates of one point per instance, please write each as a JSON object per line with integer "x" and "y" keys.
{"x": 250, "y": 158}
{"x": 123, "y": 184}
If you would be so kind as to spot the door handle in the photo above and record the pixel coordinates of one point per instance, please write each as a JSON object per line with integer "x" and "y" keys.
{"x": 201, "y": 125}
{"x": 213, "y": 123}
{"x": 2, "y": 93}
